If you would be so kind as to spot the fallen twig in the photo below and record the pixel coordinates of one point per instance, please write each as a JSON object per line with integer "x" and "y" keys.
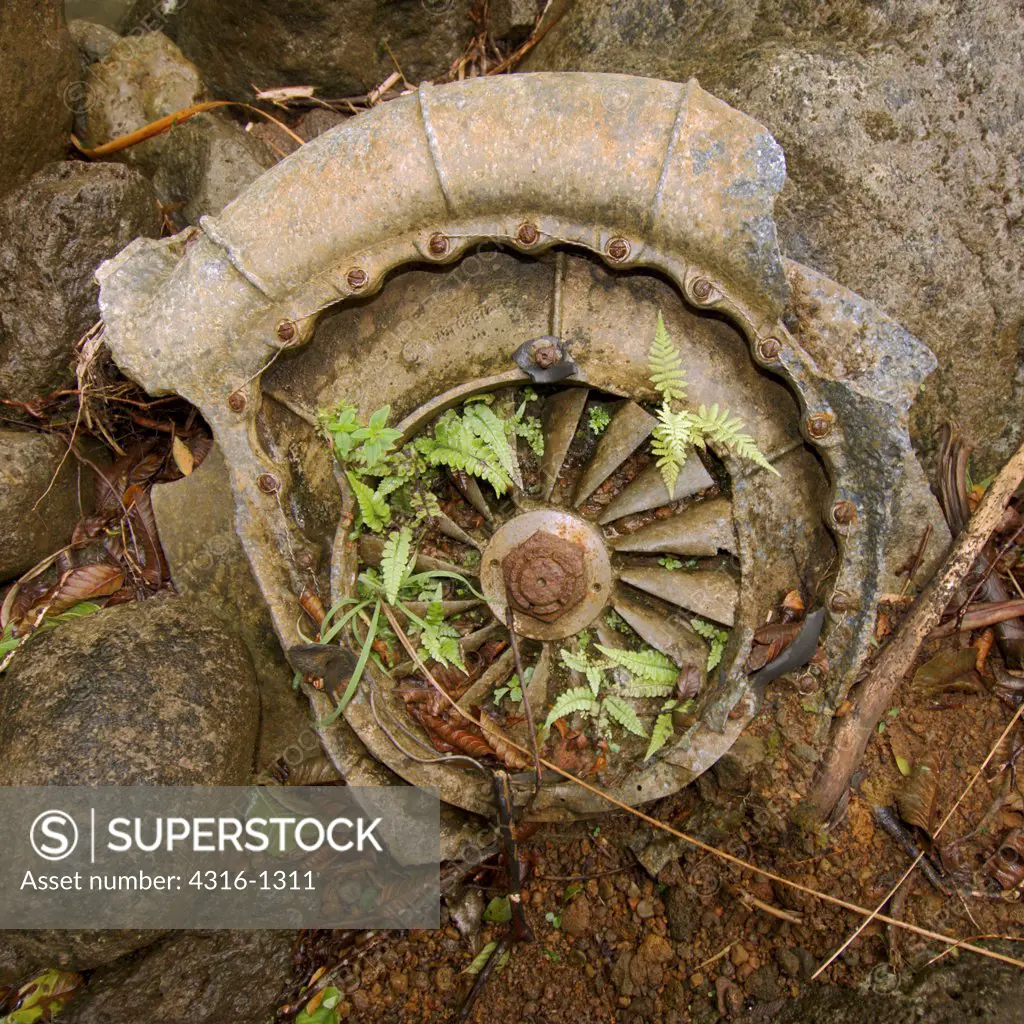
{"x": 850, "y": 737}
{"x": 981, "y": 615}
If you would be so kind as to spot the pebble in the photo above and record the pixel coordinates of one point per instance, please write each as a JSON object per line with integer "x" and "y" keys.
{"x": 645, "y": 909}
{"x": 444, "y": 979}
{"x": 400, "y": 982}
{"x": 738, "y": 954}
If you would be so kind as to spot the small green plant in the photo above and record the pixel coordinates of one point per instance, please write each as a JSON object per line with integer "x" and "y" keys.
{"x": 513, "y": 689}
{"x": 716, "y": 637}
{"x": 680, "y": 430}
{"x": 650, "y": 674}
{"x": 670, "y": 563}
{"x": 598, "y": 419}
{"x": 553, "y": 919}
{"x": 324, "y": 1008}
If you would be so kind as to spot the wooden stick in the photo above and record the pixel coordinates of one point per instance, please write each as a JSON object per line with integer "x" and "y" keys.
{"x": 850, "y": 737}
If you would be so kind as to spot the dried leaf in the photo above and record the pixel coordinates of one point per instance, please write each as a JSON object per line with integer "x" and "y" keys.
{"x": 982, "y": 646}
{"x": 182, "y": 456}
{"x": 916, "y": 797}
{"x": 792, "y": 606}
{"x": 314, "y": 771}
{"x": 499, "y": 741}
{"x": 770, "y": 641}
{"x": 83, "y": 583}
{"x": 944, "y": 668}
{"x": 456, "y": 737}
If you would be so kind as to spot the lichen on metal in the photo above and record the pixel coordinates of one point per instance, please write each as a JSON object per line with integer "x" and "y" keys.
{"x": 678, "y": 186}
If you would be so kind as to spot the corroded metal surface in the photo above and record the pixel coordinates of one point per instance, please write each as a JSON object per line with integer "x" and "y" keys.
{"x": 680, "y": 185}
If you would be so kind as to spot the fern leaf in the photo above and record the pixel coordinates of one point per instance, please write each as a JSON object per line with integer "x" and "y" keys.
{"x": 484, "y": 423}
{"x": 577, "y": 699}
{"x": 649, "y": 664}
{"x": 644, "y": 688}
{"x": 666, "y": 366}
{"x": 456, "y": 446}
{"x": 619, "y": 711}
{"x": 396, "y": 562}
{"x": 727, "y": 431}
{"x": 373, "y": 508}
{"x": 671, "y": 440}
{"x": 660, "y": 734}
{"x": 718, "y": 638}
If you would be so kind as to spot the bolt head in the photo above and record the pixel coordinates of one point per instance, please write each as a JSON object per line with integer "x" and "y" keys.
{"x": 527, "y": 234}
{"x": 546, "y": 576}
{"x": 356, "y": 278}
{"x": 287, "y": 331}
{"x": 844, "y": 512}
{"x": 768, "y": 349}
{"x": 618, "y": 249}
{"x": 820, "y": 424}
{"x": 438, "y": 245}
{"x": 702, "y": 289}
{"x": 268, "y": 483}
{"x": 236, "y": 401}
{"x": 544, "y": 355}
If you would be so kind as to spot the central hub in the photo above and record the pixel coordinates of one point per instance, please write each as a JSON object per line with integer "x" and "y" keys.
{"x": 545, "y": 576}
{"x": 552, "y": 568}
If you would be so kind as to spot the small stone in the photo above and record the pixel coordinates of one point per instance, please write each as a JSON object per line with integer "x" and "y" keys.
{"x": 360, "y": 1001}
{"x": 739, "y": 954}
{"x": 444, "y": 979}
{"x": 683, "y": 912}
{"x": 645, "y": 909}
{"x": 420, "y": 981}
{"x": 788, "y": 961}
{"x": 697, "y": 980}
{"x": 763, "y": 985}
{"x": 576, "y": 917}
{"x": 399, "y": 982}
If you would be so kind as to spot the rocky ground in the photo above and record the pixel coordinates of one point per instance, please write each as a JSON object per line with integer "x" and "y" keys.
{"x": 902, "y": 124}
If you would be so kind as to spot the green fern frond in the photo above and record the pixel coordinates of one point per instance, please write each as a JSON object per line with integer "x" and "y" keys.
{"x": 644, "y": 688}
{"x": 579, "y": 662}
{"x": 529, "y": 428}
{"x": 374, "y": 510}
{"x": 396, "y": 562}
{"x": 718, "y": 638}
{"x": 649, "y": 664}
{"x": 619, "y": 711}
{"x": 485, "y": 424}
{"x": 726, "y": 430}
{"x": 667, "y": 374}
{"x": 456, "y": 446}
{"x": 660, "y": 734}
{"x": 671, "y": 441}
{"x": 579, "y": 698}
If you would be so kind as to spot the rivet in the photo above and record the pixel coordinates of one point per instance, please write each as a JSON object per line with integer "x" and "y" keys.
{"x": 820, "y": 424}
{"x": 236, "y": 401}
{"x": 438, "y": 245}
{"x": 844, "y": 512}
{"x": 842, "y": 602}
{"x": 618, "y": 249}
{"x": 287, "y": 330}
{"x": 544, "y": 355}
{"x": 768, "y": 349}
{"x": 702, "y": 289}
{"x": 268, "y": 483}
{"x": 356, "y": 278}
{"x": 527, "y": 234}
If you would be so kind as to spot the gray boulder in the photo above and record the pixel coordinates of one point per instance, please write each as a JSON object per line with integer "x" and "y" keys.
{"x": 199, "y": 977}
{"x": 54, "y": 231}
{"x": 147, "y": 694}
{"x": 341, "y": 47}
{"x": 28, "y": 463}
{"x": 37, "y": 73}
{"x": 902, "y": 127}
{"x": 197, "y": 167}
{"x": 195, "y": 517}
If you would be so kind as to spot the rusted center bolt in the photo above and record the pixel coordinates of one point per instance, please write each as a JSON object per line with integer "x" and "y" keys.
{"x": 618, "y": 249}
{"x": 438, "y": 245}
{"x": 544, "y": 355}
{"x": 356, "y": 278}
{"x": 545, "y": 576}
{"x": 527, "y": 234}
